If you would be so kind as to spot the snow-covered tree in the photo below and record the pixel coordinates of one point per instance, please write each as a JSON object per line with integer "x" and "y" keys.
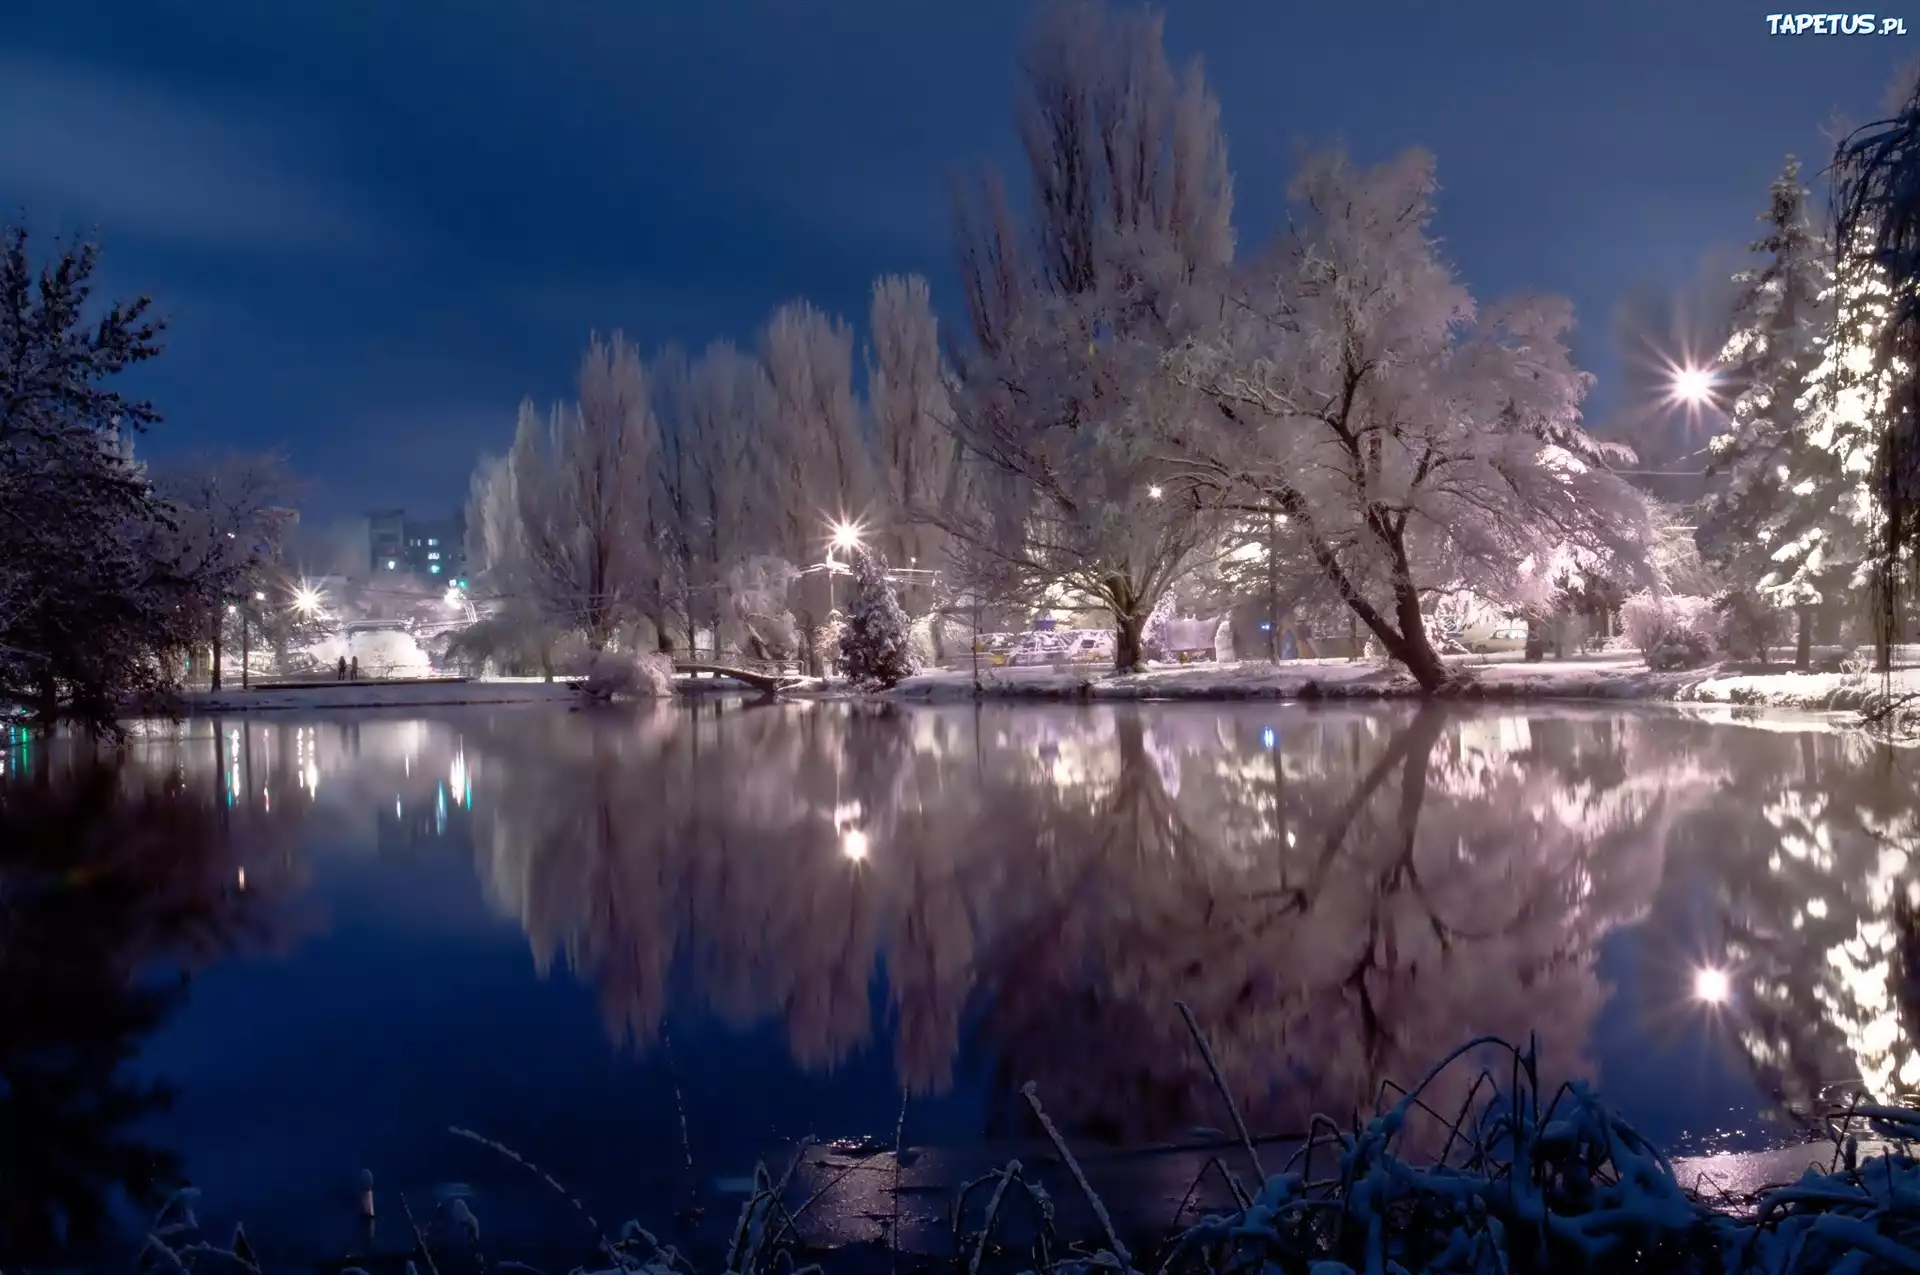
{"x": 1780, "y": 320}
{"x": 1064, "y": 395}
{"x": 227, "y": 522}
{"x": 1877, "y": 217}
{"x": 875, "y": 646}
{"x": 581, "y": 486}
{"x": 1821, "y": 544}
{"x": 817, "y": 462}
{"x": 910, "y": 390}
{"x": 1414, "y": 444}
{"x": 91, "y": 613}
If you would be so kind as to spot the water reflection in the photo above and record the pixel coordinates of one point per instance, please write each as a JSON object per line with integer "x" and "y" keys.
{"x": 1820, "y": 920}
{"x": 1022, "y": 893}
{"x": 116, "y": 883}
{"x": 1340, "y": 900}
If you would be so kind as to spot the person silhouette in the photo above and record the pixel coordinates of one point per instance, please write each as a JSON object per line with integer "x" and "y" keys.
{"x": 340, "y": 670}
{"x": 353, "y": 670}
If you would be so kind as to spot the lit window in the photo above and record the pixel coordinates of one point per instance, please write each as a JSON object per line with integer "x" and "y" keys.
{"x": 435, "y": 568}
{"x": 433, "y": 557}
{"x": 431, "y": 542}
{"x": 390, "y": 564}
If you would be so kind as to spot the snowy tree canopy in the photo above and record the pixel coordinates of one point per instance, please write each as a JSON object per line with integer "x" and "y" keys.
{"x": 1064, "y": 395}
{"x": 1822, "y": 540}
{"x": 581, "y": 488}
{"x": 91, "y": 613}
{"x": 1414, "y": 442}
{"x": 1781, "y": 323}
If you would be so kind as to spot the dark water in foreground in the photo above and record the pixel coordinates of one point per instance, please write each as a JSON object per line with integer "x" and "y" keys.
{"x": 263, "y": 954}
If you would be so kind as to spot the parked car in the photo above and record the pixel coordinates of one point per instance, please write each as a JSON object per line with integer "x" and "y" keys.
{"x": 1490, "y": 640}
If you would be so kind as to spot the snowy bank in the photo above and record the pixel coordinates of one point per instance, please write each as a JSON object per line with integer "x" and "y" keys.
{"x": 337, "y": 695}
{"x": 1605, "y": 677}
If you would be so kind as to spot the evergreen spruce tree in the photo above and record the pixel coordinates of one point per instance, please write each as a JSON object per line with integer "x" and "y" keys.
{"x": 876, "y": 645}
{"x": 1822, "y": 545}
{"x": 1771, "y": 358}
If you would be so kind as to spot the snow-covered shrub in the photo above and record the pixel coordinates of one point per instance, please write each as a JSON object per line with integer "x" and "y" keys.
{"x": 1223, "y": 652}
{"x": 628, "y": 675}
{"x": 757, "y": 619}
{"x": 1676, "y": 631}
{"x": 1748, "y": 624}
{"x": 926, "y": 653}
{"x": 874, "y": 647}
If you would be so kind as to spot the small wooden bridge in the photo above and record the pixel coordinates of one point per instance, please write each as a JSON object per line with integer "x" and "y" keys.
{"x": 768, "y": 680}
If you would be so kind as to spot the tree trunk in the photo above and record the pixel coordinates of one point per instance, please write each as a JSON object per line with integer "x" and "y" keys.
{"x": 1803, "y": 642}
{"x": 1411, "y": 646}
{"x": 1129, "y": 652}
{"x": 47, "y": 691}
{"x": 215, "y": 666}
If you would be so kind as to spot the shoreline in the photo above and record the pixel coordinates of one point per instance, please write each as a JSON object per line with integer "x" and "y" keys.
{"x": 1597, "y": 680}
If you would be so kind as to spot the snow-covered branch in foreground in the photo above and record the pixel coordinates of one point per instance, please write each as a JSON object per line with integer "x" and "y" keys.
{"x": 1414, "y": 442}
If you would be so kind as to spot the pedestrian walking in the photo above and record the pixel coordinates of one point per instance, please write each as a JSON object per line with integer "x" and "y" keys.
{"x": 353, "y": 670}
{"x": 340, "y": 670}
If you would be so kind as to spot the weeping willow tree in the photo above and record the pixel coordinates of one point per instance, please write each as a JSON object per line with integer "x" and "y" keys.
{"x": 1876, "y": 194}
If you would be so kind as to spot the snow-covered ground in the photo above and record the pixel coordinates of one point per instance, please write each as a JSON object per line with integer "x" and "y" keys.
{"x": 1601, "y": 677}
{"x": 331, "y": 695}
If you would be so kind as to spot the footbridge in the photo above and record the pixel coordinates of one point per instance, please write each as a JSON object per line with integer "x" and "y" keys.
{"x": 767, "y": 678}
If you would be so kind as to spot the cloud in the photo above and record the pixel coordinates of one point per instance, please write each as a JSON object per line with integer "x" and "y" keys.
{"x": 86, "y": 147}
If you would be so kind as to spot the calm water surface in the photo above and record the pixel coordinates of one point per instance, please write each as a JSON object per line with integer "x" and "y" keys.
{"x": 647, "y": 949}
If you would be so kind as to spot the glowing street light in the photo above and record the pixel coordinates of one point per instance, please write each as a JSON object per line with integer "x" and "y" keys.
{"x": 846, "y": 535}
{"x": 1153, "y": 492}
{"x": 1712, "y": 986}
{"x": 853, "y": 844}
{"x": 1693, "y": 386}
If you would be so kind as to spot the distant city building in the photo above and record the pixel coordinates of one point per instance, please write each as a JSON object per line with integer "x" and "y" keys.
{"x": 399, "y": 545}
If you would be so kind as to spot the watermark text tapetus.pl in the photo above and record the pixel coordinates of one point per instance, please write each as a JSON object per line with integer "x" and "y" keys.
{"x": 1834, "y": 24}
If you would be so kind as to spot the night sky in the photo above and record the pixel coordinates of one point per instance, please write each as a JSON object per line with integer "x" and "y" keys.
{"x": 379, "y": 223}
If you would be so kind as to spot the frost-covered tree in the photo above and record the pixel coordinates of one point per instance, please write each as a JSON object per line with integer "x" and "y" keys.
{"x": 1821, "y": 544}
{"x": 910, "y": 391}
{"x": 1877, "y": 216}
{"x": 1780, "y": 320}
{"x": 581, "y": 487}
{"x": 1064, "y": 394}
{"x": 876, "y": 647}
{"x": 817, "y": 462}
{"x": 91, "y": 613}
{"x": 1414, "y": 443}
{"x": 226, "y": 525}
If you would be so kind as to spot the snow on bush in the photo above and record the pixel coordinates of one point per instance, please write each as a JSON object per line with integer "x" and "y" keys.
{"x": 1675, "y": 631}
{"x": 874, "y": 647}
{"x": 758, "y": 621}
{"x": 628, "y": 675}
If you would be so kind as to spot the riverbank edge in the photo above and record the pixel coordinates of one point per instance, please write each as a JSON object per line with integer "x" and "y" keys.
{"x": 1716, "y": 686}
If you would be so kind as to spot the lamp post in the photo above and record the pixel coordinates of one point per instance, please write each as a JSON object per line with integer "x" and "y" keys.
{"x": 846, "y": 537}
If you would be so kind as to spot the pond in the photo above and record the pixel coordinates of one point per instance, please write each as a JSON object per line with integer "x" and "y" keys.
{"x": 645, "y": 950}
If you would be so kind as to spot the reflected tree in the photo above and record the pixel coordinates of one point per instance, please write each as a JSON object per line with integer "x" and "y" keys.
{"x": 114, "y": 886}
{"x": 1339, "y": 903}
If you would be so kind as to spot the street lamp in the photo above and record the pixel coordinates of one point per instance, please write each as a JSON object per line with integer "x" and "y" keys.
{"x": 1153, "y": 492}
{"x": 845, "y": 537}
{"x": 1693, "y": 386}
{"x": 306, "y": 600}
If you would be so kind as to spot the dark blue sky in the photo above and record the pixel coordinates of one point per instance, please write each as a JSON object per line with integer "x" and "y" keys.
{"x": 379, "y": 223}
